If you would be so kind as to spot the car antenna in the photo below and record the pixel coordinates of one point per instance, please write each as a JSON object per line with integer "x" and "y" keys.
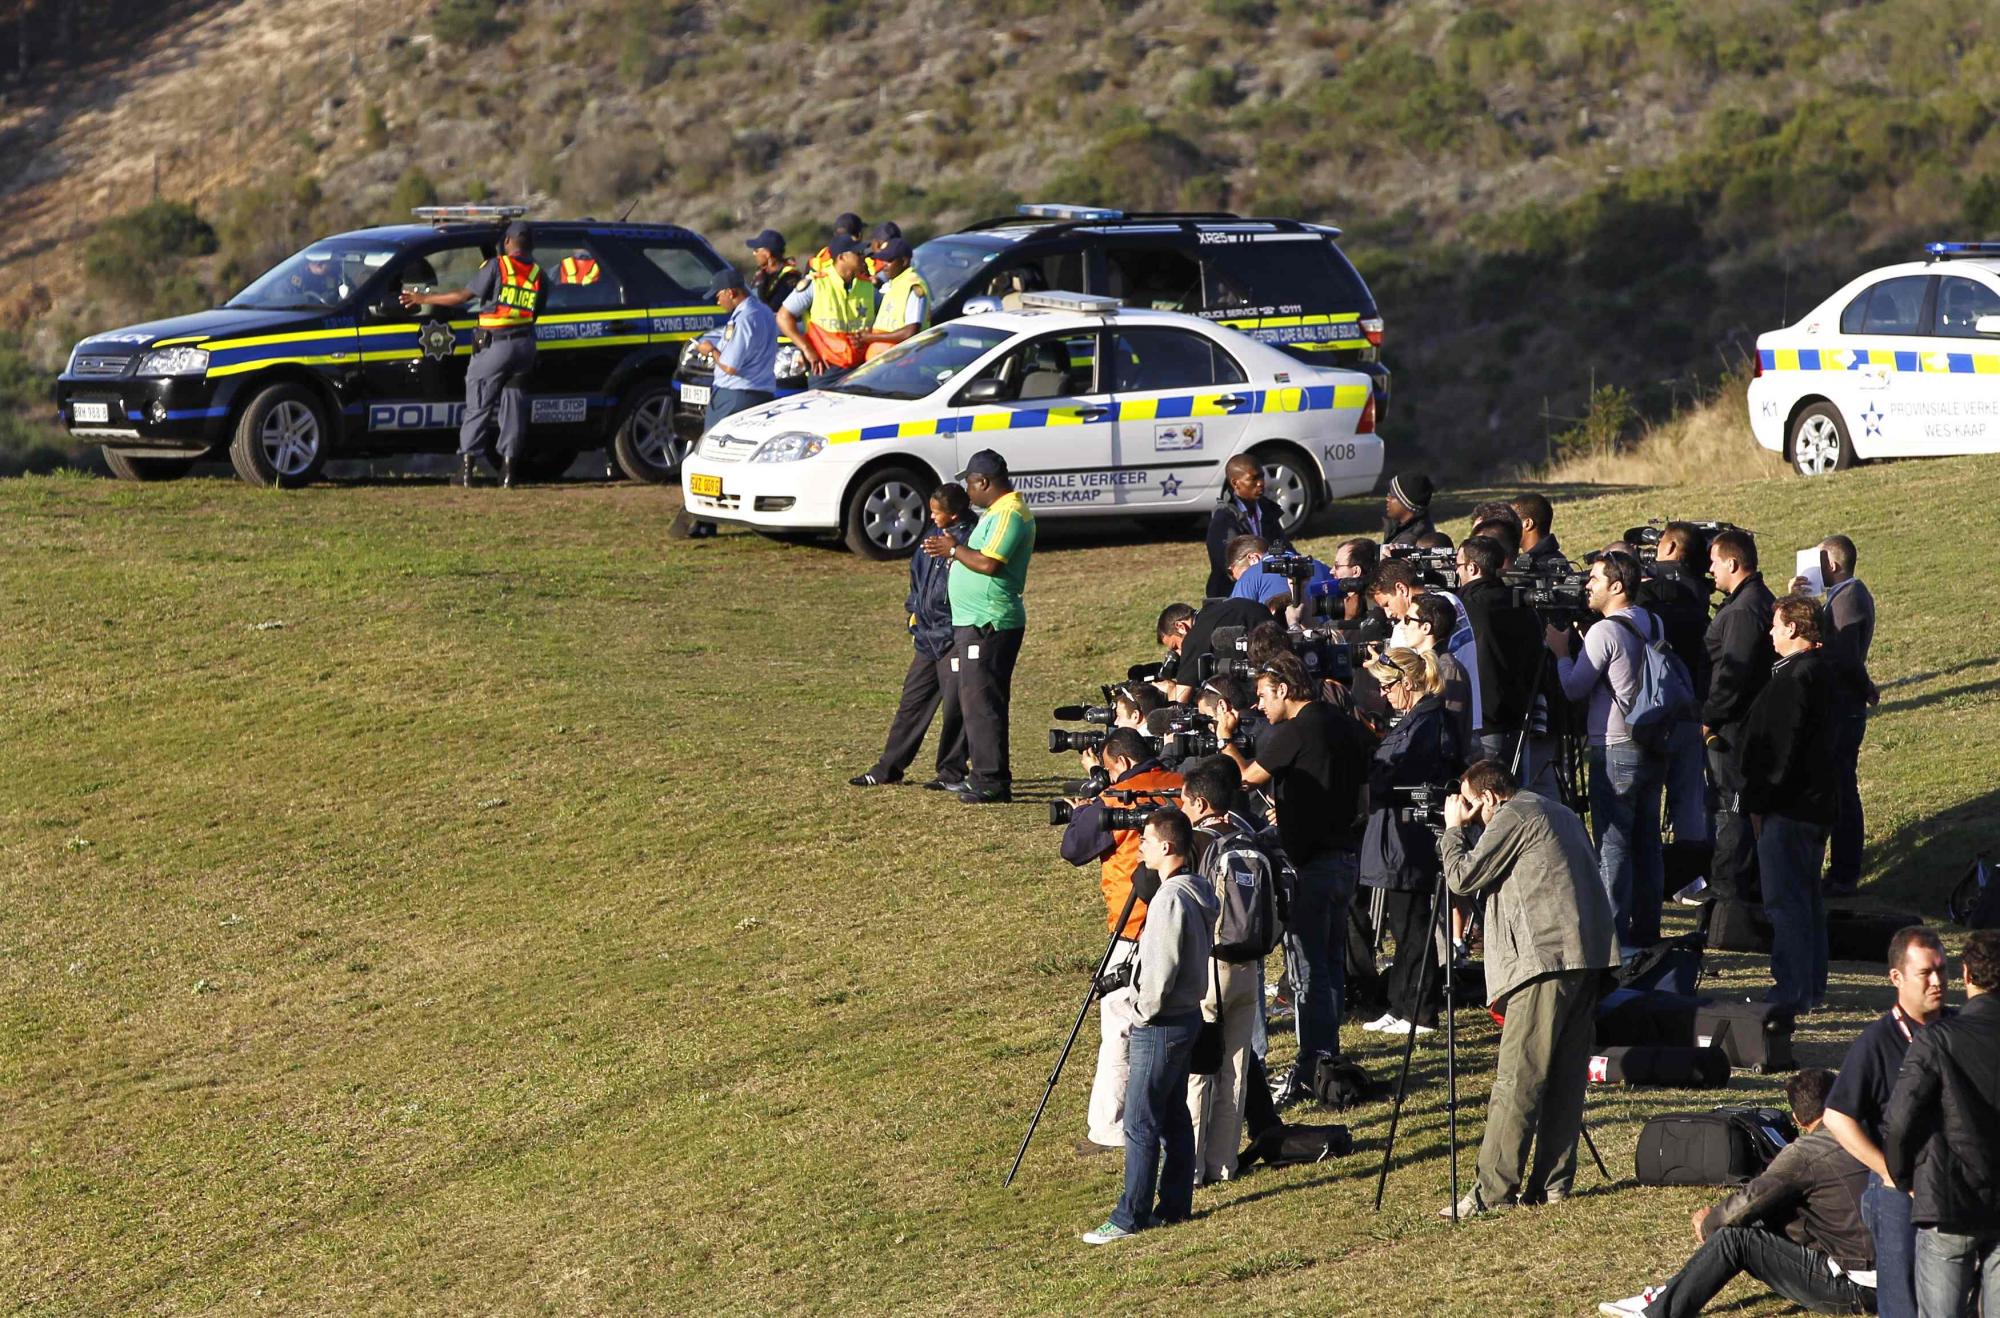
{"x": 628, "y": 209}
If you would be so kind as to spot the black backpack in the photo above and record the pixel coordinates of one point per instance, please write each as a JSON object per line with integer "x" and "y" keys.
{"x": 1728, "y": 1146}
{"x": 1251, "y": 880}
{"x": 1286, "y": 1145}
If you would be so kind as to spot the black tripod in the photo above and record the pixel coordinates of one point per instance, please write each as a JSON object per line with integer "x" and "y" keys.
{"x": 1103, "y": 963}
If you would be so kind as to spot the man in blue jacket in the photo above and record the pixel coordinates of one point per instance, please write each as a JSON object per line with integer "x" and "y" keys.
{"x": 932, "y": 682}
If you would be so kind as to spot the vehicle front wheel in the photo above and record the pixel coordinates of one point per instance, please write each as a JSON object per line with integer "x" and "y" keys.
{"x": 887, "y": 512}
{"x": 1819, "y": 442}
{"x": 1287, "y": 483}
{"x": 646, "y": 446}
{"x": 147, "y": 469}
{"x": 281, "y": 438}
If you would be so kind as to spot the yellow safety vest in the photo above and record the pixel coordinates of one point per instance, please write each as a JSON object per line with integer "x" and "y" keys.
{"x": 513, "y": 304}
{"x": 896, "y": 300}
{"x": 840, "y": 311}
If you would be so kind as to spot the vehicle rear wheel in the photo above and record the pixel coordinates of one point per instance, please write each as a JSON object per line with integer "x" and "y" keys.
{"x": 544, "y": 464}
{"x": 1287, "y": 483}
{"x": 1819, "y": 442}
{"x": 146, "y": 469}
{"x": 281, "y": 438}
{"x": 887, "y": 512}
{"x": 646, "y": 446}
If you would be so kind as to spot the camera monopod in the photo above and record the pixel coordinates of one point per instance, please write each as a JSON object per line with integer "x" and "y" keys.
{"x": 1103, "y": 964}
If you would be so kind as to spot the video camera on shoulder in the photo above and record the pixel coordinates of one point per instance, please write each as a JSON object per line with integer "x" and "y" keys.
{"x": 1103, "y": 715}
{"x": 1558, "y": 592}
{"x": 1182, "y": 733}
{"x": 1423, "y": 804}
{"x": 1124, "y": 809}
{"x": 1437, "y": 568}
{"x": 1645, "y": 540}
{"x": 1326, "y": 650}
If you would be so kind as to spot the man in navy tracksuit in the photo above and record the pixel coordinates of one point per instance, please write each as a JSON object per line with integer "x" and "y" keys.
{"x": 931, "y": 683}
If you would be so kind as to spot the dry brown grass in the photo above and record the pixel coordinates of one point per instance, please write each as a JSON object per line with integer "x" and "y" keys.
{"x": 1709, "y": 442}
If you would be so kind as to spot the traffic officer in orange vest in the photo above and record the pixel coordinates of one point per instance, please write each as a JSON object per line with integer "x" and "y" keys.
{"x": 510, "y": 294}
{"x": 578, "y": 268}
{"x": 838, "y": 305}
{"x": 848, "y": 225}
{"x": 903, "y": 305}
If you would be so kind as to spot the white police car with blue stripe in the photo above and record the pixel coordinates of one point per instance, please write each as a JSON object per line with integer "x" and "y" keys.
{"x": 1099, "y": 411}
{"x": 1901, "y": 362}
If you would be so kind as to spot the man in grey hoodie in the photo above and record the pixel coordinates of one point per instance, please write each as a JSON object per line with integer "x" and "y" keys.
{"x": 1169, "y": 978}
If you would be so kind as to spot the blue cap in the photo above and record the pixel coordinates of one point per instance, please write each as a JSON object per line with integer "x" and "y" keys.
{"x": 519, "y": 229}
{"x": 886, "y": 229}
{"x": 841, "y": 244}
{"x": 896, "y": 249}
{"x": 731, "y": 278}
{"x": 849, "y": 223}
{"x": 770, "y": 239}
{"x": 984, "y": 463}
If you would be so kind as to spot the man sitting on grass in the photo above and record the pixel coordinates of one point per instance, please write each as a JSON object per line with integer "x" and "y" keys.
{"x": 1796, "y": 1228}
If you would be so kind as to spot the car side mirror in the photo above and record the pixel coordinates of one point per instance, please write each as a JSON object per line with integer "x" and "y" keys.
{"x": 988, "y": 390}
{"x": 1987, "y": 325}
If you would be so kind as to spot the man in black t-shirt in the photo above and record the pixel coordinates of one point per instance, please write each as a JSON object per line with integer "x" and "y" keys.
{"x": 1190, "y": 634}
{"x": 1857, "y": 1109}
{"x": 1315, "y": 760}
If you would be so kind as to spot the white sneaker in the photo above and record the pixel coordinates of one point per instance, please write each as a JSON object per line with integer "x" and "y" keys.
{"x": 1380, "y": 1023}
{"x": 1399, "y": 1028}
{"x": 1629, "y": 1308}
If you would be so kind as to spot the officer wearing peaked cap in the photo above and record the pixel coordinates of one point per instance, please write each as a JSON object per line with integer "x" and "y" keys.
{"x": 509, "y": 290}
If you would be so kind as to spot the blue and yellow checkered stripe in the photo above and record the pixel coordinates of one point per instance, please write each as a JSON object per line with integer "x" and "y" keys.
{"x": 1900, "y": 360}
{"x": 1310, "y": 398}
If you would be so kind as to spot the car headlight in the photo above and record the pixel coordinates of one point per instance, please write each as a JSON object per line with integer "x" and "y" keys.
{"x": 173, "y": 361}
{"x": 792, "y": 446}
{"x": 791, "y": 361}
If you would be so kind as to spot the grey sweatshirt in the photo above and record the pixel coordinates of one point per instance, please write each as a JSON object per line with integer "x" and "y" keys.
{"x": 1171, "y": 977}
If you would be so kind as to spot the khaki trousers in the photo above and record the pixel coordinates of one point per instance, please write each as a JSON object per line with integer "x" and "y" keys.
{"x": 1236, "y": 998}
{"x": 1538, "y": 1089}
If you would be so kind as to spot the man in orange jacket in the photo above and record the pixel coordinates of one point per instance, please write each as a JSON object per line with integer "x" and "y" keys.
{"x": 1130, "y": 763}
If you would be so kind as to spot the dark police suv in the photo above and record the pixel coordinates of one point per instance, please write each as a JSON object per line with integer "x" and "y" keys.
{"x": 316, "y": 359}
{"x": 1284, "y": 282}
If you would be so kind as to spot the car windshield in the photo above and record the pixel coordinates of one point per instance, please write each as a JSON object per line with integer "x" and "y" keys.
{"x": 916, "y": 367}
{"x": 320, "y": 276}
{"x": 948, "y": 263}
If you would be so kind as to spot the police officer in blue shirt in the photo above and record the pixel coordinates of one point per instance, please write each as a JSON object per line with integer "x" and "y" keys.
{"x": 746, "y": 368}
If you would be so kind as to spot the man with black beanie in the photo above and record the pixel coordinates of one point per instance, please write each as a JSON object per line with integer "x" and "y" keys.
{"x": 1406, "y": 509}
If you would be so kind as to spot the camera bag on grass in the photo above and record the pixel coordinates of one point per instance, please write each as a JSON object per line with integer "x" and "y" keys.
{"x": 1628, "y": 1018}
{"x": 1664, "y": 1067}
{"x": 1670, "y": 966}
{"x": 1757, "y": 1036}
{"x": 1340, "y": 1084}
{"x": 1739, "y": 926}
{"x": 1864, "y": 935}
{"x": 1286, "y": 1145}
{"x": 1728, "y": 1146}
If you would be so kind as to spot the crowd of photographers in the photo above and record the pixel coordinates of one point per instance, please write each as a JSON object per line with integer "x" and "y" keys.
{"x": 1396, "y": 751}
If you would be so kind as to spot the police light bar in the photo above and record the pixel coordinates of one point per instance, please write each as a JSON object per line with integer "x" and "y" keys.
{"x": 1945, "y": 251}
{"x": 467, "y": 211}
{"x": 1052, "y": 210}
{"x": 1084, "y": 304}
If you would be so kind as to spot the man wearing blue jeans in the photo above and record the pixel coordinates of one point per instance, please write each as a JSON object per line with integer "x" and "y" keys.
{"x": 1857, "y": 1109}
{"x": 745, "y": 360}
{"x": 1170, "y": 976}
{"x": 1626, "y": 777}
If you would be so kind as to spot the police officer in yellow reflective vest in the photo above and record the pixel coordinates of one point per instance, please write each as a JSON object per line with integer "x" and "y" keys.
{"x": 904, "y": 304}
{"x": 510, "y": 293}
{"x": 838, "y": 305}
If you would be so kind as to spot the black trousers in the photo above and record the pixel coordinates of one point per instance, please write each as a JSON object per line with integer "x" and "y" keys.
{"x": 985, "y": 657}
{"x": 1733, "y": 871}
{"x": 1799, "y": 1274}
{"x": 930, "y": 687}
{"x": 1407, "y": 916}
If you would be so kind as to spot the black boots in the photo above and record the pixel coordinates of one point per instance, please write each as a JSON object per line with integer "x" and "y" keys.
{"x": 506, "y": 473}
{"x": 468, "y": 466}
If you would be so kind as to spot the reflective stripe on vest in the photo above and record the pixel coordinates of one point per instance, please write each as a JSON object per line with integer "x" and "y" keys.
{"x": 514, "y": 302}
{"x": 896, "y": 300}
{"x": 840, "y": 311}
{"x": 575, "y": 271}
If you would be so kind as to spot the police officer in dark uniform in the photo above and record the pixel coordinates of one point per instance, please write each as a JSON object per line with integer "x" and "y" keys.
{"x": 510, "y": 292}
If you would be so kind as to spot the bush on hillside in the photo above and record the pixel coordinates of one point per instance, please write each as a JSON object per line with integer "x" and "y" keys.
{"x": 469, "y": 23}
{"x": 132, "y": 257}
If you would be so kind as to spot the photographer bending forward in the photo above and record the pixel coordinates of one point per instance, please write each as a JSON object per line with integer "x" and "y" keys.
{"x": 1549, "y": 939}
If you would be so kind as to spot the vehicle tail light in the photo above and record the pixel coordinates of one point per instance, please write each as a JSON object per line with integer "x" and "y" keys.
{"x": 1366, "y": 424}
{"x": 1371, "y": 329}
{"x": 1757, "y": 366}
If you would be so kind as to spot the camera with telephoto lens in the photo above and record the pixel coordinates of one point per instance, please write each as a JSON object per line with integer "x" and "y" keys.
{"x": 1293, "y": 566}
{"x": 1558, "y": 593}
{"x": 1423, "y": 804}
{"x": 1090, "y": 739}
{"x": 1437, "y": 568}
{"x": 1645, "y": 540}
{"x": 1180, "y": 733}
{"x": 1097, "y": 781}
{"x": 1103, "y": 715}
{"x": 1228, "y": 656}
{"x": 1115, "y": 817}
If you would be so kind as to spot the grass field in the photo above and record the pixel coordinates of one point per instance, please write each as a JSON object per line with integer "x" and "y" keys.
{"x": 432, "y": 901}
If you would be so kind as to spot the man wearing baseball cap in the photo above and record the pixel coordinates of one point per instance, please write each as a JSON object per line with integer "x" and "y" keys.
{"x": 776, "y": 274}
{"x": 746, "y": 357}
{"x": 838, "y": 305}
{"x": 904, "y": 304}
{"x": 849, "y": 225}
{"x": 988, "y": 573}
{"x": 1406, "y": 510}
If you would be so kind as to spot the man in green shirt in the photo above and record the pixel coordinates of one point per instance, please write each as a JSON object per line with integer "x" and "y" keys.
{"x": 988, "y": 573}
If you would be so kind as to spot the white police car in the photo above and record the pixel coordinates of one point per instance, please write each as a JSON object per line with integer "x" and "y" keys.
{"x": 1902, "y": 362}
{"x": 1099, "y": 411}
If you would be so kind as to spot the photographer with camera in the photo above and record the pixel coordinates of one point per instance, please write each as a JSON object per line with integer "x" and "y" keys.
{"x": 1676, "y": 592}
{"x": 931, "y": 684}
{"x": 1499, "y": 523}
{"x": 1243, "y": 511}
{"x": 1399, "y": 855}
{"x": 1315, "y": 761}
{"x": 1626, "y": 773}
{"x": 1137, "y": 779}
{"x": 1190, "y": 633}
{"x": 1237, "y": 696}
{"x": 1549, "y": 940}
{"x": 1434, "y": 620}
{"x": 1850, "y": 629}
{"x": 1252, "y": 580}
{"x": 1739, "y": 659}
{"x": 1395, "y": 586}
{"x": 1507, "y": 646}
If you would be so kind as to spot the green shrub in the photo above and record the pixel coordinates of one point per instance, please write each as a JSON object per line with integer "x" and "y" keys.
{"x": 374, "y": 127}
{"x": 1214, "y": 87}
{"x": 412, "y": 190}
{"x": 131, "y": 256}
{"x": 1603, "y": 429}
{"x": 1249, "y": 13}
{"x": 469, "y": 23}
{"x": 1135, "y": 167}
{"x": 1982, "y": 207}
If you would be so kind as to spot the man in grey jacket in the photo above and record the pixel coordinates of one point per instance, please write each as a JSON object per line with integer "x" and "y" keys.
{"x": 1170, "y": 978}
{"x": 1549, "y": 940}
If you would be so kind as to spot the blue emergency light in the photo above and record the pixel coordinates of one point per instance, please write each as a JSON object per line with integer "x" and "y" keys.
{"x": 1945, "y": 251}
{"x": 1051, "y": 210}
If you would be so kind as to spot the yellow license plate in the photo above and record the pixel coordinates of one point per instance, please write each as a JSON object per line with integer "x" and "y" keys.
{"x": 707, "y": 486}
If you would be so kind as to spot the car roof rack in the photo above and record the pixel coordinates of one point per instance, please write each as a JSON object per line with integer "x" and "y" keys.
{"x": 467, "y": 213}
{"x": 1946, "y": 251}
{"x": 1083, "y": 304}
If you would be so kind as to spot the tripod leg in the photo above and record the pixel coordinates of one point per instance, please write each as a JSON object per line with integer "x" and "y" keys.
{"x": 1403, "y": 1080}
{"x": 1595, "y": 1156}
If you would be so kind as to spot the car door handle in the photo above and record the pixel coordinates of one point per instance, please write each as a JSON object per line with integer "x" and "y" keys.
{"x": 1092, "y": 413}
{"x": 1231, "y": 400}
